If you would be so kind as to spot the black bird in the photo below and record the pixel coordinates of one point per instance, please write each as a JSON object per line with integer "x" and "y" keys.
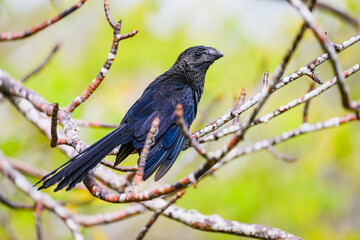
{"x": 183, "y": 83}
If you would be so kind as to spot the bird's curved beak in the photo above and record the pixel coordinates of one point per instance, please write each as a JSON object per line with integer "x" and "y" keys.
{"x": 216, "y": 54}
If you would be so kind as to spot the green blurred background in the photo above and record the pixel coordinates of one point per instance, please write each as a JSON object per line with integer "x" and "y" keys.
{"x": 317, "y": 197}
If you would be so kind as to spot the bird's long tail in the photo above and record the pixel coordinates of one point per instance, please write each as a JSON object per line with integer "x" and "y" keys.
{"x": 74, "y": 170}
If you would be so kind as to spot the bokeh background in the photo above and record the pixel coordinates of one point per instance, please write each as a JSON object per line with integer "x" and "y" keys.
{"x": 317, "y": 197}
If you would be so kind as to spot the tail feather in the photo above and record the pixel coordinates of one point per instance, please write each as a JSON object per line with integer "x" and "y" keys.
{"x": 72, "y": 179}
{"x": 153, "y": 163}
{"x": 74, "y": 170}
{"x": 124, "y": 151}
{"x": 166, "y": 165}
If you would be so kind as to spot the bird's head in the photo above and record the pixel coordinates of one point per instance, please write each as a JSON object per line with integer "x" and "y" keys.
{"x": 194, "y": 61}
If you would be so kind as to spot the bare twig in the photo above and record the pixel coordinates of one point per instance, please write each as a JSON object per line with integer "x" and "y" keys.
{"x": 267, "y": 117}
{"x": 286, "y": 80}
{"x": 266, "y": 79}
{"x": 43, "y": 64}
{"x": 314, "y": 93}
{"x": 145, "y": 151}
{"x": 157, "y": 213}
{"x": 108, "y": 15}
{"x": 265, "y": 93}
{"x": 27, "y": 169}
{"x": 307, "y": 104}
{"x": 241, "y": 100}
{"x": 185, "y": 132}
{"x": 108, "y": 63}
{"x": 13, "y": 205}
{"x": 343, "y": 15}
{"x": 303, "y": 129}
{"x": 10, "y": 36}
{"x": 54, "y": 119}
{"x": 94, "y": 124}
{"x": 38, "y": 210}
{"x": 203, "y": 114}
{"x": 281, "y": 156}
{"x": 128, "y": 35}
{"x": 311, "y": 74}
{"x": 119, "y": 168}
{"x": 281, "y": 68}
{"x": 329, "y": 48}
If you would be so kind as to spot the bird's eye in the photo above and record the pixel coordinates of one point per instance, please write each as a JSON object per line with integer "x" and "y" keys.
{"x": 198, "y": 54}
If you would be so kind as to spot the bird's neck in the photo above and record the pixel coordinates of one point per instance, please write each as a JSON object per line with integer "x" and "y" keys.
{"x": 195, "y": 79}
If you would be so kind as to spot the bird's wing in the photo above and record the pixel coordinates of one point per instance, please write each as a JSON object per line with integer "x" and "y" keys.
{"x": 160, "y": 100}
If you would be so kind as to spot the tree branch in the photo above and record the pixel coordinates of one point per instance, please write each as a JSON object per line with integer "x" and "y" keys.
{"x": 10, "y": 36}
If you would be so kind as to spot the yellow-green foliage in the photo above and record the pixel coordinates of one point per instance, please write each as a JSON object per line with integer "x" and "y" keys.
{"x": 316, "y": 197}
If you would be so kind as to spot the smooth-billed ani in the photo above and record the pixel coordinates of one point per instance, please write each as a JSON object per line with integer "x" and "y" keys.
{"x": 183, "y": 83}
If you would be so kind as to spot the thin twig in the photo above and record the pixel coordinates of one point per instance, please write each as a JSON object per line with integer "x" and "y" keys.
{"x": 27, "y": 169}
{"x": 38, "y": 210}
{"x": 112, "y": 23}
{"x": 303, "y": 129}
{"x": 311, "y": 74}
{"x": 43, "y": 64}
{"x": 54, "y": 119}
{"x": 118, "y": 168}
{"x": 13, "y": 205}
{"x": 94, "y": 124}
{"x": 108, "y": 63}
{"x": 108, "y": 15}
{"x": 286, "y": 80}
{"x": 267, "y": 117}
{"x": 185, "y": 132}
{"x": 150, "y": 140}
{"x": 281, "y": 68}
{"x": 266, "y": 79}
{"x": 281, "y": 156}
{"x": 240, "y": 102}
{"x": 343, "y": 15}
{"x": 275, "y": 78}
{"x": 307, "y": 104}
{"x": 204, "y": 115}
{"x": 247, "y": 104}
{"x": 265, "y": 93}
{"x": 327, "y": 45}
{"x": 128, "y": 35}
{"x": 157, "y": 213}
{"x": 10, "y": 36}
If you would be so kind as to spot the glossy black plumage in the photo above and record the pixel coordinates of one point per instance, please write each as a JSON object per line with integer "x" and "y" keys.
{"x": 183, "y": 83}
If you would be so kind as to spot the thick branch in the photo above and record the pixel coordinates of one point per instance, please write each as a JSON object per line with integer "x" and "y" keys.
{"x": 215, "y": 223}
{"x": 111, "y": 217}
